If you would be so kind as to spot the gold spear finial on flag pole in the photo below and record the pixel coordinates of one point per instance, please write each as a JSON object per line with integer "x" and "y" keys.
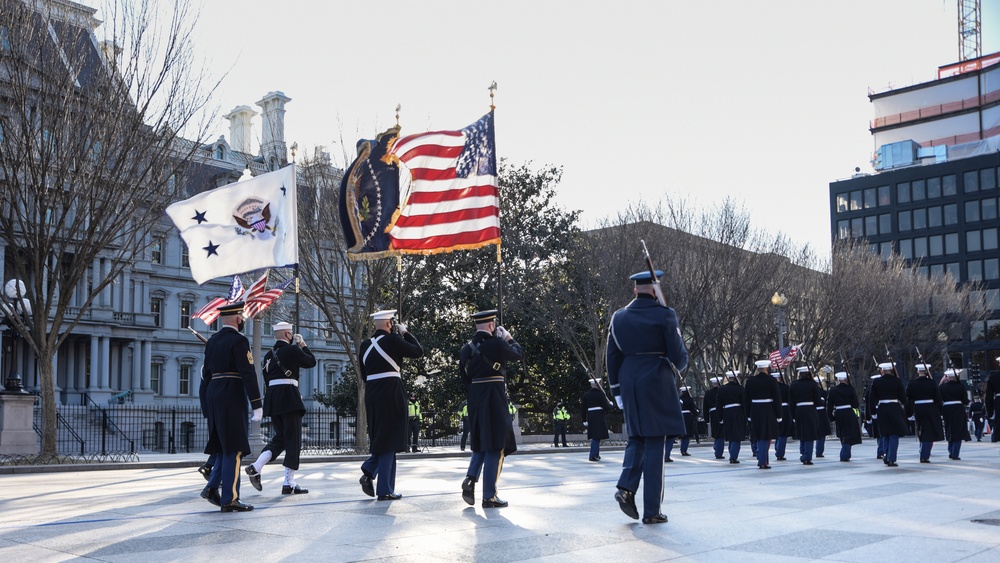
{"x": 398, "y": 107}
{"x": 493, "y": 89}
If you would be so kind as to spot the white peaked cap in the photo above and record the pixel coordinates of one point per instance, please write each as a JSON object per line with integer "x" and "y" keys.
{"x": 922, "y": 367}
{"x": 713, "y": 379}
{"x": 776, "y": 374}
{"x": 802, "y": 369}
{"x": 383, "y": 314}
{"x": 841, "y": 375}
{"x": 281, "y": 326}
{"x": 732, "y": 373}
{"x": 887, "y": 365}
{"x": 951, "y": 373}
{"x": 685, "y": 388}
{"x": 763, "y": 363}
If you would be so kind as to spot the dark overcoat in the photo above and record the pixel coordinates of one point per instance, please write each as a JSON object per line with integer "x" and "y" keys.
{"x": 230, "y": 382}
{"x": 729, "y": 403}
{"x": 594, "y": 408}
{"x": 786, "y": 427}
{"x": 823, "y": 427}
{"x": 711, "y": 412}
{"x": 482, "y": 365}
{"x": 385, "y": 399}
{"x": 763, "y": 405}
{"x": 848, "y": 426}
{"x": 803, "y": 396}
{"x": 643, "y": 340}
{"x": 954, "y": 400}
{"x": 887, "y": 397}
{"x": 923, "y": 403}
{"x": 871, "y": 410}
{"x": 285, "y": 398}
{"x": 689, "y": 410}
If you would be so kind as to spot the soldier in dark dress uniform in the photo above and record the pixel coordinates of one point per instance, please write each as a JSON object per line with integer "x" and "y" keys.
{"x": 385, "y": 401}
{"x": 954, "y": 401}
{"x": 283, "y": 403}
{"x": 689, "y": 409}
{"x": 729, "y": 403}
{"x": 594, "y": 407}
{"x": 482, "y": 365}
{"x": 990, "y": 396}
{"x": 887, "y": 398}
{"x": 976, "y": 413}
{"x": 232, "y": 382}
{"x": 871, "y": 416}
{"x": 842, "y": 406}
{"x": 923, "y": 406}
{"x": 785, "y": 427}
{"x": 823, "y": 428}
{"x": 763, "y": 405}
{"x": 713, "y": 417}
{"x": 803, "y": 396}
{"x": 644, "y": 350}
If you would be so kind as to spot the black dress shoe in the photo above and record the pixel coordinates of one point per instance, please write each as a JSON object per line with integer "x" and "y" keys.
{"x": 956, "y": 458}
{"x": 237, "y": 506}
{"x": 819, "y": 455}
{"x": 254, "y": 477}
{"x": 366, "y": 485}
{"x": 807, "y": 462}
{"x": 290, "y": 490}
{"x": 892, "y": 464}
{"x": 925, "y": 461}
{"x": 390, "y": 496}
{"x": 668, "y": 460}
{"x": 206, "y": 471}
{"x": 780, "y": 458}
{"x": 594, "y": 459}
{"x": 658, "y": 519}
{"x": 685, "y": 454}
{"x": 494, "y": 502}
{"x": 734, "y": 461}
{"x": 763, "y": 467}
{"x": 469, "y": 491}
{"x": 719, "y": 457}
{"x": 598, "y": 458}
{"x": 211, "y": 495}
{"x": 626, "y": 501}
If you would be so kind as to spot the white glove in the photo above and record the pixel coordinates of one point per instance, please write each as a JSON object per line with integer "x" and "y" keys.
{"x": 585, "y": 424}
{"x": 402, "y": 328}
{"x": 618, "y": 399}
{"x": 779, "y": 420}
{"x": 502, "y": 333}
{"x": 257, "y": 415}
{"x": 297, "y": 339}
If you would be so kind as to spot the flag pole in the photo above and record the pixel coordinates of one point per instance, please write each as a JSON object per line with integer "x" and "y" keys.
{"x": 493, "y": 89}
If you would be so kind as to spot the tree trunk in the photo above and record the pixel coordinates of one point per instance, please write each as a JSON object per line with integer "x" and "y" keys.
{"x": 47, "y": 378}
{"x": 361, "y": 422}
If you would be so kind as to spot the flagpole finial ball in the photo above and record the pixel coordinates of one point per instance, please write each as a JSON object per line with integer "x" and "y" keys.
{"x": 778, "y": 299}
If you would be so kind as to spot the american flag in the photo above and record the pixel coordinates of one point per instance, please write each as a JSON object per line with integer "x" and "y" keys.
{"x": 264, "y": 300}
{"x": 453, "y": 203}
{"x": 256, "y": 289}
{"x": 784, "y": 356}
{"x": 208, "y": 313}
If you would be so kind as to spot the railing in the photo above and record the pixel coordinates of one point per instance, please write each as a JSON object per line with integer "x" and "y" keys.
{"x": 67, "y": 440}
{"x": 111, "y": 433}
{"x": 124, "y": 318}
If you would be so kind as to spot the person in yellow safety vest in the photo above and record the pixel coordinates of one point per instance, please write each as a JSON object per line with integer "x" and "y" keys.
{"x": 414, "y": 418}
{"x": 561, "y": 416}
{"x": 464, "y": 413}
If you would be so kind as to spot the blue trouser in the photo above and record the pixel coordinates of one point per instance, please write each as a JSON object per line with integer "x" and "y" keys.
{"x": 753, "y": 448}
{"x": 227, "y": 476}
{"x": 644, "y": 458}
{"x": 211, "y": 460}
{"x": 779, "y": 446}
{"x": 882, "y": 447}
{"x": 492, "y": 464}
{"x": 979, "y": 429}
{"x": 925, "y": 450}
{"x": 476, "y": 465}
{"x": 734, "y": 449}
{"x": 595, "y": 448}
{"x": 718, "y": 446}
{"x": 669, "y": 447}
{"x": 953, "y": 448}
{"x": 891, "y": 446}
{"x": 806, "y": 450}
{"x": 382, "y": 468}
{"x": 685, "y": 442}
{"x": 845, "y": 451}
{"x": 820, "y": 446}
{"x": 762, "y": 447}
{"x": 560, "y": 431}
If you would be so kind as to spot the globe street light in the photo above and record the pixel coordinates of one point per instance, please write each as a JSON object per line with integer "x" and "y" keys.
{"x": 14, "y": 304}
{"x": 779, "y": 301}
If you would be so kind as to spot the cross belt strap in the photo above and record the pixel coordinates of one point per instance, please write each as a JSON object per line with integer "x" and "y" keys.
{"x": 276, "y": 382}
{"x": 838, "y": 407}
{"x": 731, "y": 405}
{"x": 807, "y": 404}
{"x": 761, "y": 401}
{"x": 888, "y": 401}
{"x": 381, "y": 352}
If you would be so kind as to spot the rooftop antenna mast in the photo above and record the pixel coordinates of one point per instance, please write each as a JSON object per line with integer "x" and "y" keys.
{"x": 970, "y": 30}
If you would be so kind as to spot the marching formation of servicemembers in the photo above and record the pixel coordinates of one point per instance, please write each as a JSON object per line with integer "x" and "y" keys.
{"x": 645, "y": 355}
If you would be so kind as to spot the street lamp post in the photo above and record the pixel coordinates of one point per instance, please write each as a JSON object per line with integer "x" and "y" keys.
{"x": 14, "y": 303}
{"x": 779, "y": 301}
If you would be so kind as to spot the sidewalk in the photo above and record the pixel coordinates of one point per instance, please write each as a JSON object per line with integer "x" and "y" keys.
{"x": 561, "y": 509}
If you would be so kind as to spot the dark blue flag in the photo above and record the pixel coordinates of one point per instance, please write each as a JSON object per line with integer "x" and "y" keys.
{"x": 369, "y": 196}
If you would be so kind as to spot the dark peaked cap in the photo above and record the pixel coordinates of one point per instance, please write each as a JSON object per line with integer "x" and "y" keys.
{"x": 644, "y": 278}
{"x": 231, "y": 309}
{"x": 484, "y": 316}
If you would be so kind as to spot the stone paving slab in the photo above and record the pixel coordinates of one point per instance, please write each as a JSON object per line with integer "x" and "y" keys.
{"x": 561, "y": 510}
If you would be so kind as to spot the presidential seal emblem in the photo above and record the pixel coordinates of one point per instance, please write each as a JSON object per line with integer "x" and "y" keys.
{"x": 253, "y": 215}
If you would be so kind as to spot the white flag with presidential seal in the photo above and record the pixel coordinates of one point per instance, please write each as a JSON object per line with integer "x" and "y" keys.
{"x": 245, "y": 226}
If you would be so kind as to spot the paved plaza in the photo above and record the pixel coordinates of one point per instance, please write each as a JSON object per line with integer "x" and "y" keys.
{"x": 561, "y": 509}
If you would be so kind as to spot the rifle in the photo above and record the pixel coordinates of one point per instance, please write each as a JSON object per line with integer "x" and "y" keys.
{"x": 198, "y": 334}
{"x": 600, "y": 384}
{"x": 652, "y": 272}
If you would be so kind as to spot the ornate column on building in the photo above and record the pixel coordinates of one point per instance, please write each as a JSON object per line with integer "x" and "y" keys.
{"x": 272, "y": 144}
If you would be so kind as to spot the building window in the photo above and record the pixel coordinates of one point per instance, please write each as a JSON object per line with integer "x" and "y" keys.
{"x": 883, "y": 196}
{"x": 977, "y": 330}
{"x": 919, "y": 219}
{"x": 842, "y": 204}
{"x": 184, "y": 380}
{"x": 933, "y": 188}
{"x": 989, "y": 209}
{"x": 934, "y": 216}
{"x": 972, "y": 241}
{"x": 975, "y": 270}
{"x": 843, "y": 229}
{"x": 885, "y": 223}
{"x": 990, "y": 239}
{"x": 903, "y": 192}
{"x": 885, "y": 250}
{"x": 856, "y": 200}
{"x": 971, "y": 211}
{"x": 903, "y": 221}
{"x": 155, "y": 376}
{"x": 920, "y": 247}
{"x": 937, "y": 271}
{"x": 216, "y": 325}
{"x": 906, "y": 249}
{"x": 870, "y": 200}
{"x": 991, "y": 269}
{"x": 220, "y": 152}
{"x": 951, "y": 214}
{"x": 951, "y": 244}
{"x": 988, "y": 179}
{"x": 970, "y": 180}
{"x": 186, "y": 313}
{"x": 935, "y": 244}
{"x": 857, "y": 228}
{"x": 992, "y": 298}
{"x": 156, "y": 251}
{"x": 948, "y": 185}
{"x": 918, "y": 192}
{"x": 156, "y": 308}
{"x": 993, "y": 329}
{"x": 954, "y": 270}
{"x": 871, "y": 225}
{"x": 185, "y": 258}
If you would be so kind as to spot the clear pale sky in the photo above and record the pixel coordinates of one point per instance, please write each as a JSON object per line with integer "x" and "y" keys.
{"x": 765, "y": 102}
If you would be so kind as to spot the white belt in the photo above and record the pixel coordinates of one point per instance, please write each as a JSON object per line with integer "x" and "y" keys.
{"x": 819, "y": 407}
{"x": 761, "y": 401}
{"x": 596, "y": 409}
{"x": 274, "y": 382}
{"x": 809, "y": 404}
{"x": 923, "y": 402}
{"x": 838, "y": 407}
{"x": 784, "y": 404}
{"x": 682, "y": 412}
{"x": 888, "y": 401}
{"x": 731, "y": 405}
{"x": 952, "y": 403}
{"x": 382, "y": 375}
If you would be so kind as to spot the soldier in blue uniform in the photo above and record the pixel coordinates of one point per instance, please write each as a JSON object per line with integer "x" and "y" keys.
{"x": 785, "y": 427}
{"x": 954, "y": 401}
{"x": 283, "y": 403}
{"x": 385, "y": 401}
{"x": 231, "y": 383}
{"x": 871, "y": 416}
{"x": 482, "y": 365}
{"x": 976, "y": 410}
{"x": 842, "y": 405}
{"x": 887, "y": 397}
{"x": 594, "y": 406}
{"x": 644, "y": 349}
{"x": 689, "y": 408}
{"x": 729, "y": 403}
{"x": 803, "y": 396}
{"x": 923, "y": 407}
{"x": 763, "y": 406}
{"x": 823, "y": 427}
{"x": 712, "y": 416}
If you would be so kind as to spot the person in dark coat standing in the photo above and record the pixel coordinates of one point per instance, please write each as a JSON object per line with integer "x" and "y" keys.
{"x": 803, "y": 396}
{"x": 923, "y": 407}
{"x": 594, "y": 407}
{"x": 381, "y": 357}
{"x": 763, "y": 406}
{"x": 689, "y": 409}
{"x": 482, "y": 365}
{"x": 713, "y": 419}
{"x": 887, "y": 398}
{"x": 785, "y": 427}
{"x": 729, "y": 403}
{"x": 990, "y": 396}
{"x": 645, "y": 351}
{"x": 823, "y": 428}
{"x": 954, "y": 401}
{"x": 232, "y": 383}
{"x": 976, "y": 413}
{"x": 842, "y": 408}
{"x": 283, "y": 403}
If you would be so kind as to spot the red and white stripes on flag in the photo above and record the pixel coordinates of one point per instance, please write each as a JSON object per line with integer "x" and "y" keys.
{"x": 453, "y": 202}
{"x": 256, "y": 290}
{"x": 208, "y": 313}
{"x": 257, "y": 305}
